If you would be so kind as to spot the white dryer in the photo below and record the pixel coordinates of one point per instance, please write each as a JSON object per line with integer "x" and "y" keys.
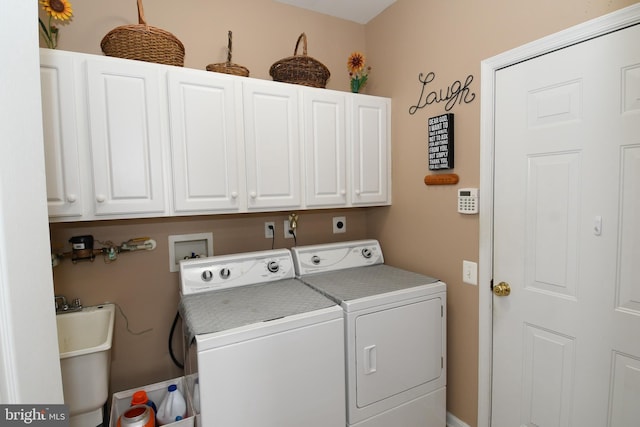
{"x": 395, "y": 324}
{"x": 269, "y": 350}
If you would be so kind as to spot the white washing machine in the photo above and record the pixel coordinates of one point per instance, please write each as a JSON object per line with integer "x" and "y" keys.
{"x": 269, "y": 350}
{"x": 395, "y": 325}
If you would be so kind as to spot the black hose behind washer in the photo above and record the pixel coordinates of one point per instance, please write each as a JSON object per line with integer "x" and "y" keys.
{"x": 173, "y": 356}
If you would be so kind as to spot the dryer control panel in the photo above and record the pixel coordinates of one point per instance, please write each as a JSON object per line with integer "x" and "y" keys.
{"x": 336, "y": 256}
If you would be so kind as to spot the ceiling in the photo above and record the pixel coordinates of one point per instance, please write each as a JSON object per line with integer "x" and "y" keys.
{"x": 360, "y": 11}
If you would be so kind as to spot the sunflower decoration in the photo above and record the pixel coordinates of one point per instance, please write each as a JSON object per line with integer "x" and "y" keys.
{"x": 56, "y": 9}
{"x": 357, "y": 71}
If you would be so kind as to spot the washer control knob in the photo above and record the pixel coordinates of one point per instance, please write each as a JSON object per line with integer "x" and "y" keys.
{"x": 366, "y": 252}
{"x": 225, "y": 273}
{"x": 207, "y": 275}
{"x": 315, "y": 260}
{"x": 273, "y": 266}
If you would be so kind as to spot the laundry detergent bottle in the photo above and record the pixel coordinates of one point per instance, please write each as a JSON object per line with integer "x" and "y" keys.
{"x": 172, "y": 408}
{"x": 140, "y": 398}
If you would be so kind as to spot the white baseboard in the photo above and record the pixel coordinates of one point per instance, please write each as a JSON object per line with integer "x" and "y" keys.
{"x": 452, "y": 421}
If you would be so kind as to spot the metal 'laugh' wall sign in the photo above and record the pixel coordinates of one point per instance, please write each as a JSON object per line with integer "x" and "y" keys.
{"x": 456, "y": 93}
{"x": 441, "y": 142}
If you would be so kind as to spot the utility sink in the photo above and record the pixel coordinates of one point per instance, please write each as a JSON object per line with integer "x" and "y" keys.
{"x": 84, "y": 342}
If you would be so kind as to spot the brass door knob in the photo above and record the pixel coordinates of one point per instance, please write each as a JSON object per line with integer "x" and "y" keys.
{"x": 502, "y": 289}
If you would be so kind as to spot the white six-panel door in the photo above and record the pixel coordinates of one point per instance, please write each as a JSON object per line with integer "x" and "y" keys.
{"x": 567, "y": 237}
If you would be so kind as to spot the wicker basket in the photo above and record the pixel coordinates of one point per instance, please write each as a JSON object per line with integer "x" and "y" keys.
{"x": 229, "y": 67}
{"x": 300, "y": 69}
{"x": 144, "y": 43}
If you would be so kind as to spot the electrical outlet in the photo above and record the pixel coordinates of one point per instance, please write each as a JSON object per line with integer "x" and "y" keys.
{"x": 339, "y": 224}
{"x": 269, "y": 229}
{"x": 288, "y": 232}
{"x": 470, "y": 272}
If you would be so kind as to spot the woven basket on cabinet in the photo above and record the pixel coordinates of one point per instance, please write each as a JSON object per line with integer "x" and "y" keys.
{"x": 300, "y": 69}
{"x": 229, "y": 67}
{"x": 144, "y": 43}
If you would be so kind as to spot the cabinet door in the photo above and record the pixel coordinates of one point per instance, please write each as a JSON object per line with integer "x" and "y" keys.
{"x": 125, "y": 104}
{"x": 203, "y": 141}
{"x": 324, "y": 148}
{"x": 272, "y": 145}
{"x": 60, "y": 134}
{"x": 371, "y": 166}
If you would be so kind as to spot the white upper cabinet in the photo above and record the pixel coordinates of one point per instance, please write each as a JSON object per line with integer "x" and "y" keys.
{"x": 272, "y": 144}
{"x": 126, "y": 108}
{"x": 325, "y": 148}
{"x": 371, "y": 144}
{"x": 204, "y": 141}
{"x": 132, "y": 139}
{"x": 64, "y": 193}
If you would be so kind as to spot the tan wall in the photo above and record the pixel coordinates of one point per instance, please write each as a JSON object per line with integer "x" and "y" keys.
{"x": 420, "y": 231}
{"x": 264, "y": 31}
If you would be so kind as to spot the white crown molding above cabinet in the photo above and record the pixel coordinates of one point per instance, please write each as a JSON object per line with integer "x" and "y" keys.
{"x": 132, "y": 139}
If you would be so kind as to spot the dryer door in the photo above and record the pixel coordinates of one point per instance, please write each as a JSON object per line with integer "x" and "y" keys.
{"x": 398, "y": 349}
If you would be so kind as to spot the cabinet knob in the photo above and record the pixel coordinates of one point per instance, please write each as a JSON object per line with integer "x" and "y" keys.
{"x": 234, "y": 194}
{"x": 343, "y": 192}
{"x": 253, "y": 195}
{"x": 357, "y": 192}
{"x": 71, "y": 198}
{"x": 100, "y": 198}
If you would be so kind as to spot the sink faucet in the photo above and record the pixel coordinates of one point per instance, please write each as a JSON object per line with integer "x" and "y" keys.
{"x": 62, "y": 299}
{"x": 62, "y": 306}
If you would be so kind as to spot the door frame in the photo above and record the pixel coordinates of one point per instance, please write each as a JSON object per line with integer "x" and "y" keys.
{"x": 608, "y": 23}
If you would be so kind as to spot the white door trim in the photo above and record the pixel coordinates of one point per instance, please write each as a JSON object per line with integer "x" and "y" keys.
{"x": 594, "y": 28}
